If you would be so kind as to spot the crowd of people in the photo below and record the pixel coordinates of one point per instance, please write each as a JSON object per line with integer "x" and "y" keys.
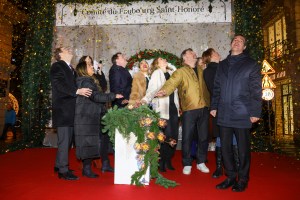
{"x": 227, "y": 91}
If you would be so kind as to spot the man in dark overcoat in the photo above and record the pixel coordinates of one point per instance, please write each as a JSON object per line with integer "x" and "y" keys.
{"x": 237, "y": 99}
{"x": 64, "y": 92}
{"x": 120, "y": 79}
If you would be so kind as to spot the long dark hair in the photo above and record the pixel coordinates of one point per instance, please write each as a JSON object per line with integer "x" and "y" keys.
{"x": 81, "y": 70}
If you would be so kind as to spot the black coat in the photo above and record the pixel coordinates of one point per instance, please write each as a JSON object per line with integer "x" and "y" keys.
{"x": 88, "y": 118}
{"x": 63, "y": 82}
{"x": 209, "y": 74}
{"x": 120, "y": 82}
{"x": 237, "y": 93}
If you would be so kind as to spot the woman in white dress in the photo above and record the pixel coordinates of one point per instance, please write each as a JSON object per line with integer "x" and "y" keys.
{"x": 168, "y": 107}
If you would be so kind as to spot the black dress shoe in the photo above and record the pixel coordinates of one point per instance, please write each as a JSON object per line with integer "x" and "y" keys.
{"x": 56, "y": 169}
{"x": 68, "y": 176}
{"x": 226, "y": 184}
{"x": 240, "y": 186}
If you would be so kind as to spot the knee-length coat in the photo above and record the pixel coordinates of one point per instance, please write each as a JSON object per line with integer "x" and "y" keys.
{"x": 87, "y": 119}
{"x": 237, "y": 91}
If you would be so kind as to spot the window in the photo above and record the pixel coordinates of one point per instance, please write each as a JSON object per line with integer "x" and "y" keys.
{"x": 287, "y": 105}
{"x": 276, "y": 34}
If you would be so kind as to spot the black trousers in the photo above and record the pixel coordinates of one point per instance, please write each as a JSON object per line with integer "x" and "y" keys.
{"x": 243, "y": 142}
{"x": 64, "y": 140}
{"x": 195, "y": 120}
{"x": 104, "y": 142}
{"x": 171, "y": 131}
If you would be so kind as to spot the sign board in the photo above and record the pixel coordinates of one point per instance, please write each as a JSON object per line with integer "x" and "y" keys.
{"x": 268, "y": 94}
{"x": 75, "y": 14}
{"x": 267, "y": 68}
{"x": 267, "y": 82}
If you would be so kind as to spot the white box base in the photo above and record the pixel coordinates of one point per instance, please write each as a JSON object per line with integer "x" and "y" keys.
{"x": 125, "y": 160}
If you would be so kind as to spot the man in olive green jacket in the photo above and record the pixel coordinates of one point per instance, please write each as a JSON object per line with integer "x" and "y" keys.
{"x": 194, "y": 102}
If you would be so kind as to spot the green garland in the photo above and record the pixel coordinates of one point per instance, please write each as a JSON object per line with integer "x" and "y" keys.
{"x": 152, "y": 54}
{"x": 247, "y": 21}
{"x": 144, "y": 124}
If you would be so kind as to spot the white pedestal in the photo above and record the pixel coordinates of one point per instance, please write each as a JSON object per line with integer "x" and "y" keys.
{"x": 125, "y": 160}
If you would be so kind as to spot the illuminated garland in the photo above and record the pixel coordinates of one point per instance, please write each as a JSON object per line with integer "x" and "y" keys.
{"x": 247, "y": 21}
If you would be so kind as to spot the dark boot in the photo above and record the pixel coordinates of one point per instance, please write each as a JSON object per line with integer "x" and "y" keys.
{"x": 87, "y": 169}
{"x": 106, "y": 167}
{"x": 219, "y": 169}
{"x": 226, "y": 184}
{"x": 169, "y": 165}
{"x": 235, "y": 151}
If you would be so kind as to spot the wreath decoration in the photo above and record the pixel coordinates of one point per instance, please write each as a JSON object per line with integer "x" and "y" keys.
{"x": 152, "y": 54}
{"x": 145, "y": 124}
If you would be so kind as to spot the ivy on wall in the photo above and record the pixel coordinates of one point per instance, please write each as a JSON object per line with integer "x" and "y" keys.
{"x": 247, "y": 21}
{"x": 37, "y": 60}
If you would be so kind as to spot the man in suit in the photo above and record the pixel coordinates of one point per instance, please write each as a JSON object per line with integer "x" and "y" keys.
{"x": 120, "y": 79}
{"x": 64, "y": 92}
{"x": 237, "y": 99}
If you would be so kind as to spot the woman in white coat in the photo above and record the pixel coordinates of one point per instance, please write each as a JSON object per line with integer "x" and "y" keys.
{"x": 168, "y": 107}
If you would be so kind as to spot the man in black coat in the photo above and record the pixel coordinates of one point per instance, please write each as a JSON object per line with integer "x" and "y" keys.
{"x": 237, "y": 99}
{"x": 64, "y": 92}
{"x": 120, "y": 79}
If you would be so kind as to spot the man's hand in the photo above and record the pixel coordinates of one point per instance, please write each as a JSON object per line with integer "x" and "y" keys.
{"x": 84, "y": 92}
{"x": 213, "y": 113}
{"x": 137, "y": 104}
{"x": 254, "y": 119}
{"x": 161, "y": 93}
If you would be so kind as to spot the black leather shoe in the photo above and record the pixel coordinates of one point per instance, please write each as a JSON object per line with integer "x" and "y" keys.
{"x": 56, "y": 170}
{"x": 226, "y": 184}
{"x": 68, "y": 176}
{"x": 240, "y": 186}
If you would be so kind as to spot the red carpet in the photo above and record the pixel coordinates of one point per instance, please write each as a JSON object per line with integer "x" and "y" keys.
{"x": 28, "y": 175}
